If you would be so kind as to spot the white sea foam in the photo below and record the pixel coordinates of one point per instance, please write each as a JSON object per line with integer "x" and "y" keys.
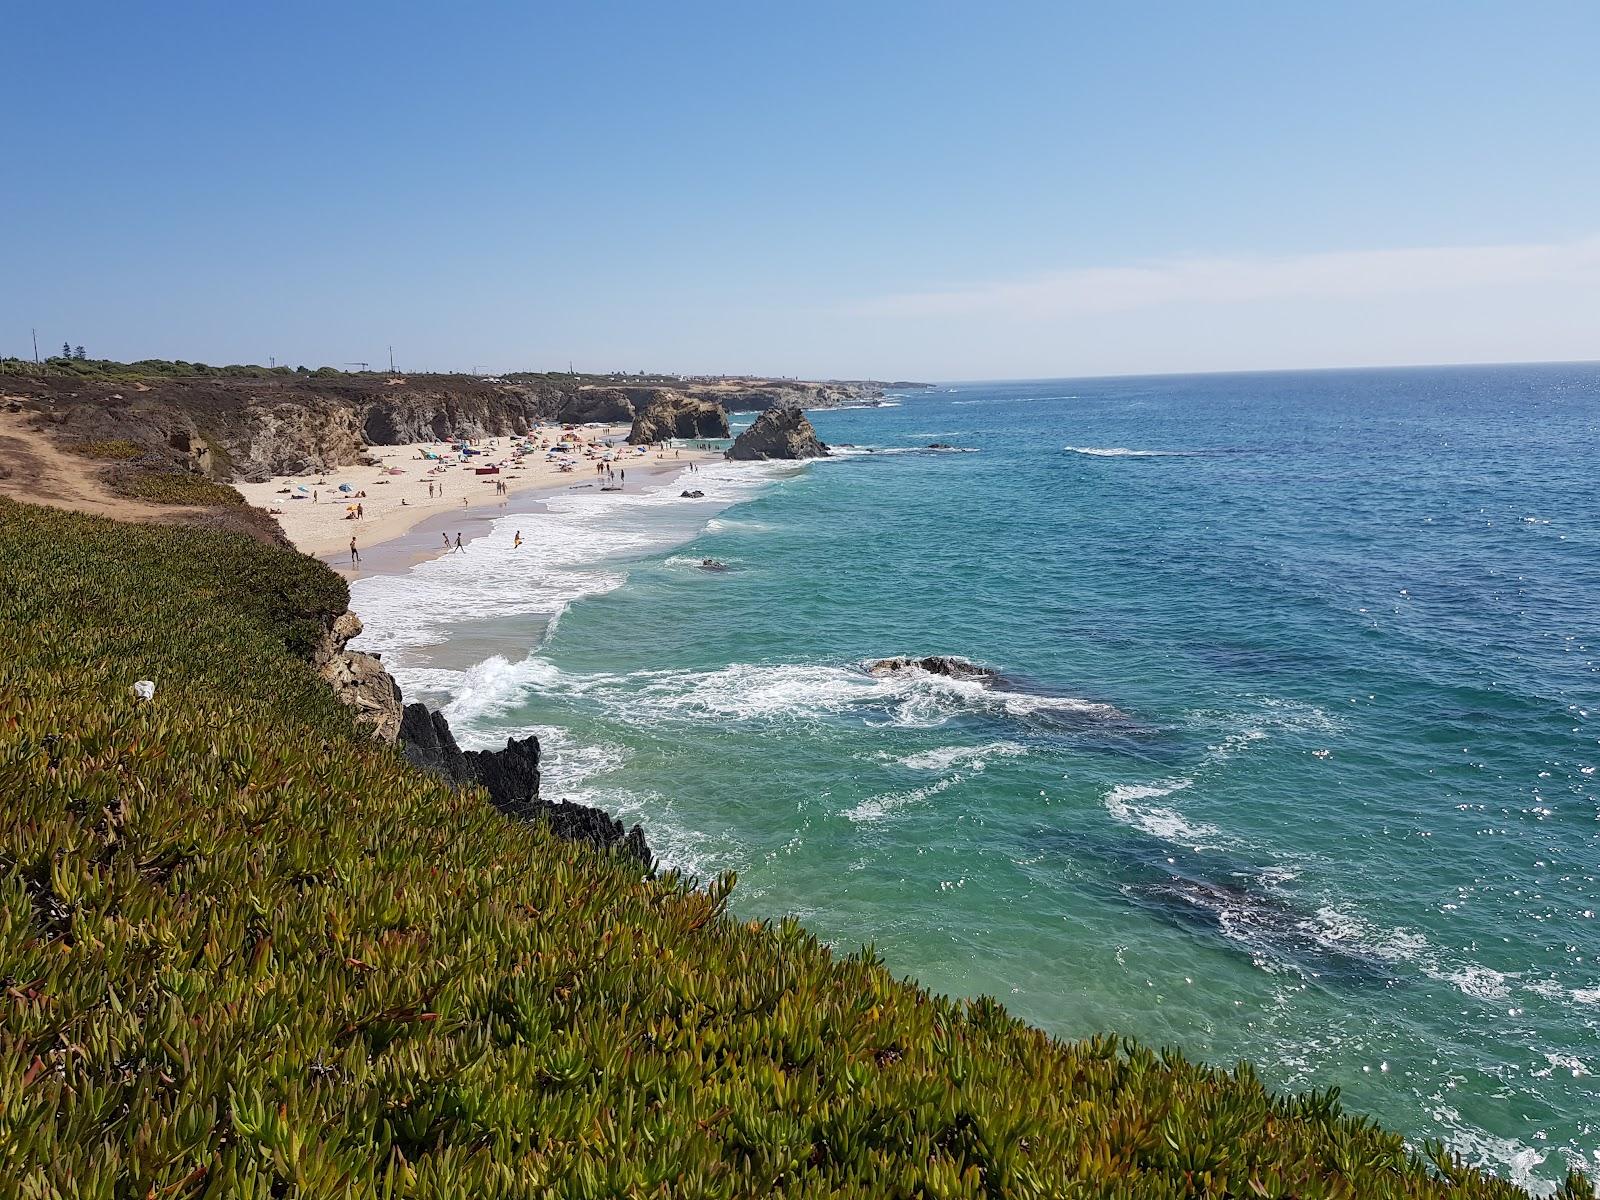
{"x": 571, "y": 549}
{"x": 568, "y": 767}
{"x": 1130, "y": 804}
{"x": 876, "y": 808}
{"x": 974, "y": 757}
{"x": 809, "y": 691}
{"x": 493, "y": 686}
{"x": 1124, "y": 452}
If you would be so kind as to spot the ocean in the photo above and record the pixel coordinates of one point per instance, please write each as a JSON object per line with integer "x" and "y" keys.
{"x": 1291, "y": 757}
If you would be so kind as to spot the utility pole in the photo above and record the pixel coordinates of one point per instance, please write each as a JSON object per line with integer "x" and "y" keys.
{"x": 36, "y": 347}
{"x": 391, "y": 360}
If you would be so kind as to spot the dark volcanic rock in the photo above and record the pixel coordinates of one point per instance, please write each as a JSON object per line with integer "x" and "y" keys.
{"x": 778, "y": 433}
{"x": 936, "y": 664}
{"x": 511, "y": 777}
{"x": 697, "y": 494}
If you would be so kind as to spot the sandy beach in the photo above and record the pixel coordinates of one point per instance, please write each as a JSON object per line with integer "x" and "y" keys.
{"x": 394, "y": 495}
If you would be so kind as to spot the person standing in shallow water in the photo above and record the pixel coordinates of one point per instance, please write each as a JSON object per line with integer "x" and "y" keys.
{"x": 355, "y": 555}
{"x": 516, "y": 542}
{"x": 460, "y": 549}
{"x": 446, "y": 538}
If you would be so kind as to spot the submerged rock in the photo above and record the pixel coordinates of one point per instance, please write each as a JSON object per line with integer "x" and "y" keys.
{"x": 697, "y": 494}
{"x": 778, "y": 433}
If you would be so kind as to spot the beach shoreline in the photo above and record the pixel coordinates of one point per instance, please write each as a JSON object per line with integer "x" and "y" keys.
{"x": 397, "y": 510}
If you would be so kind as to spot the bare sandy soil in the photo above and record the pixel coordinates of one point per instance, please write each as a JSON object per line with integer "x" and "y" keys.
{"x": 34, "y": 469}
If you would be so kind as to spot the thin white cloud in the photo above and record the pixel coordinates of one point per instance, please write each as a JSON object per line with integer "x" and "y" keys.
{"x": 1334, "y": 275}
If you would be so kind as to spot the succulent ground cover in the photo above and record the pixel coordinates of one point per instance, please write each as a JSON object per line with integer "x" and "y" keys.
{"x": 108, "y": 448}
{"x": 173, "y": 487}
{"x": 245, "y": 951}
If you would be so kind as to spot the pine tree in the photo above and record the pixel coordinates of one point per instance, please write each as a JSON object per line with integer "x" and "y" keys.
{"x": 66, "y": 350}
{"x": 77, "y": 353}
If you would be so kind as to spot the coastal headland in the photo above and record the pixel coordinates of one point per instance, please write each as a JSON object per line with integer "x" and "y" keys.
{"x": 291, "y": 939}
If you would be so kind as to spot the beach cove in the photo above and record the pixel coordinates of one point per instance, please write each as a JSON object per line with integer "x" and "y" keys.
{"x": 1208, "y": 699}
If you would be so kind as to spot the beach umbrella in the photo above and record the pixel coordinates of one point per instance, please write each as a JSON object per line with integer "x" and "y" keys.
{"x": 345, "y": 487}
{"x": 302, "y": 488}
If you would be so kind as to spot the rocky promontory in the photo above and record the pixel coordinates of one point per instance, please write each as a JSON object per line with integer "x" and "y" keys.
{"x": 778, "y": 433}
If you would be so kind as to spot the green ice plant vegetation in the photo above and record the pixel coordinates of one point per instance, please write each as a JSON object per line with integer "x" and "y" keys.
{"x": 247, "y": 951}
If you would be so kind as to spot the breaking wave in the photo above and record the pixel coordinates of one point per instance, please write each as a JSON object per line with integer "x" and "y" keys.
{"x": 1124, "y": 452}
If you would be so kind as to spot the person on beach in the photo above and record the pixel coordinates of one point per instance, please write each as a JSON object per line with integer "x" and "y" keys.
{"x": 430, "y": 490}
{"x": 355, "y": 555}
{"x": 463, "y": 502}
{"x": 516, "y": 542}
{"x": 446, "y": 538}
{"x": 460, "y": 549}
{"x": 313, "y": 495}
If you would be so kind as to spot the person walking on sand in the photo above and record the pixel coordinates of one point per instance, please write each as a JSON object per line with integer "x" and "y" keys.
{"x": 355, "y": 555}
{"x": 430, "y": 489}
{"x": 361, "y": 513}
{"x": 313, "y": 495}
{"x": 446, "y": 538}
{"x": 460, "y": 549}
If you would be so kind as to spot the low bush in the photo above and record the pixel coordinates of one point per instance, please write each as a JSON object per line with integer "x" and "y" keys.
{"x": 172, "y": 487}
{"x": 108, "y": 448}
{"x": 246, "y": 951}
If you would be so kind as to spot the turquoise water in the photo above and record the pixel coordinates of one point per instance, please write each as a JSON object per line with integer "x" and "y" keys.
{"x": 1293, "y": 758}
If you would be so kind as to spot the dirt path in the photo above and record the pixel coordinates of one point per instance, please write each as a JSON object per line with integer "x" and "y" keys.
{"x": 32, "y": 469}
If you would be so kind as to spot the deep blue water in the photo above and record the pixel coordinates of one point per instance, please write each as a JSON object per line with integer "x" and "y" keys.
{"x": 1293, "y": 759}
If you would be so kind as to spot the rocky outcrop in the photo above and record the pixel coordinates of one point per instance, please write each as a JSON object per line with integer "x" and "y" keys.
{"x": 358, "y": 679}
{"x": 778, "y": 433}
{"x": 936, "y": 664}
{"x": 760, "y": 396}
{"x": 511, "y": 777}
{"x": 667, "y": 414}
{"x": 609, "y": 405}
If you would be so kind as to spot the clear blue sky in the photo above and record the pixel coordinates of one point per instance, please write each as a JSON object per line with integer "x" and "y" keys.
{"x": 838, "y": 189}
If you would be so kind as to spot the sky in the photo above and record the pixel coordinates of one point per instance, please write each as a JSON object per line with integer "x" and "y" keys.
{"x": 838, "y": 190}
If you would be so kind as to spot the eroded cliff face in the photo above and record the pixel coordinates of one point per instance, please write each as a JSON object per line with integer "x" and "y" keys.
{"x": 358, "y": 679}
{"x": 251, "y": 429}
{"x": 665, "y": 414}
{"x": 433, "y": 414}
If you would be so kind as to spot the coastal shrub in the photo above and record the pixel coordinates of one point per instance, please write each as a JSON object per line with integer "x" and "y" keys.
{"x": 247, "y": 951}
{"x": 171, "y": 487}
{"x": 108, "y": 448}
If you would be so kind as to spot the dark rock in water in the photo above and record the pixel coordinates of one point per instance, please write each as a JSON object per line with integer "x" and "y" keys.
{"x": 940, "y": 446}
{"x": 778, "y": 433}
{"x": 694, "y": 495}
{"x": 711, "y": 564}
{"x": 428, "y": 743}
{"x": 935, "y": 664}
{"x": 511, "y": 777}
